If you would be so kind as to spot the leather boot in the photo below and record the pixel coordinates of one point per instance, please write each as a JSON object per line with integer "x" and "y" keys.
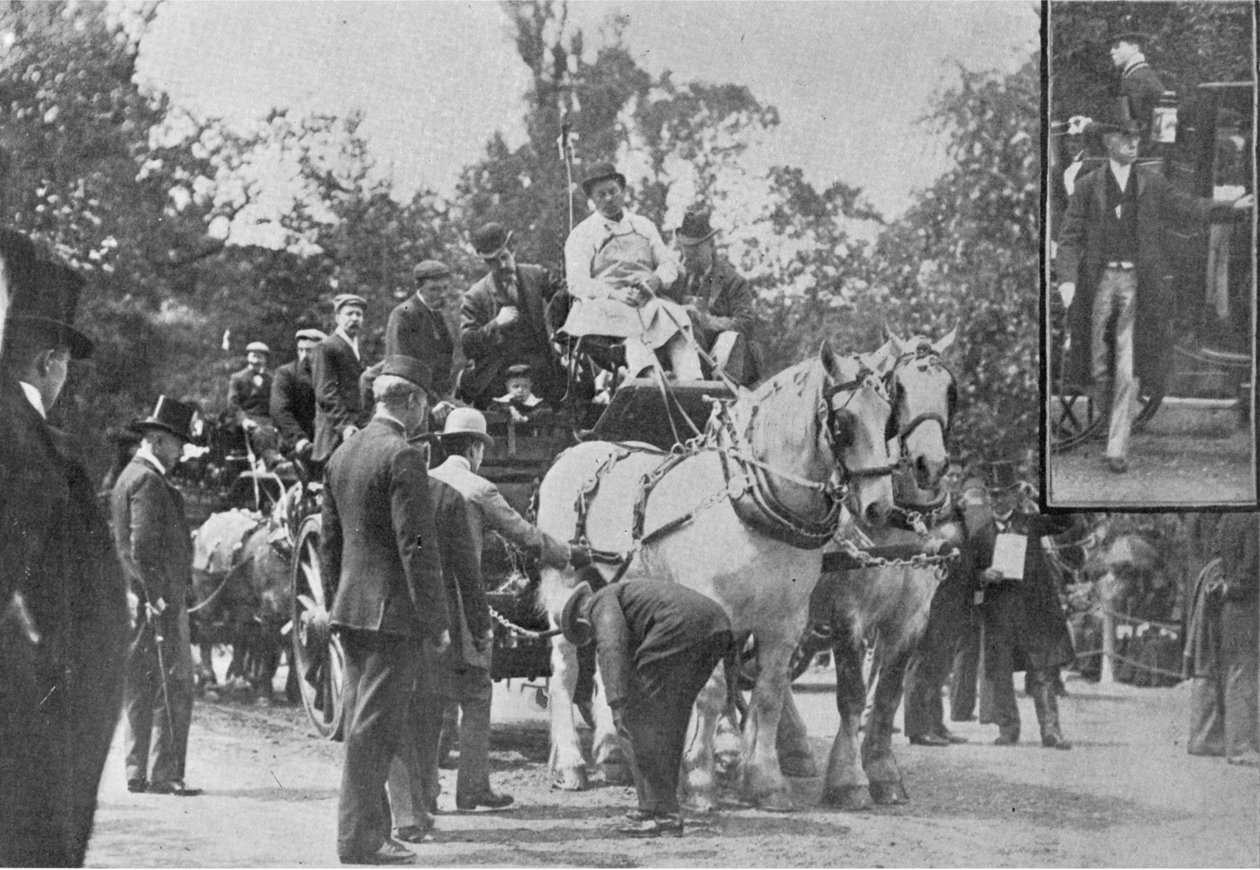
{"x": 1046, "y": 704}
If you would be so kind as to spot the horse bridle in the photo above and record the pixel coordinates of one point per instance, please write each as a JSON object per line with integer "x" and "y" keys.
{"x": 833, "y": 433}
{"x": 925, "y": 354}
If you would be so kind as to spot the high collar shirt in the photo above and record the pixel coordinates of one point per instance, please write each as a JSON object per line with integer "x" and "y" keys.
{"x": 35, "y": 398}
{"x": 353, "y": 342}
{"x": 145, "y": 454}
{"x": 1120, "y": 171}
{"x": 593, "y": 233}
{"x": 1136, "y": 61}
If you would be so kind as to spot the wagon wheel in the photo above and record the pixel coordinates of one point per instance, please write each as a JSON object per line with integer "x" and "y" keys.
{"x": 317, "y": 652}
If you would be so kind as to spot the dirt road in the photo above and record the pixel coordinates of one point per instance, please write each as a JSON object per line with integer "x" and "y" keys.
{"x": 1126, "y": 795}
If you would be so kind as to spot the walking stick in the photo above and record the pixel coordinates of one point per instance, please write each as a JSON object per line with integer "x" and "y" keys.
{"x": 157, "y": 639}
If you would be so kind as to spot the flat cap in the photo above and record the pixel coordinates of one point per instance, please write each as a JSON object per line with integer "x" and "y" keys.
{"x": 310, "y": 335}
{"x": 427, "y": 269}
{"x": 341, "y": 300}
{"x": 257, "y": 347}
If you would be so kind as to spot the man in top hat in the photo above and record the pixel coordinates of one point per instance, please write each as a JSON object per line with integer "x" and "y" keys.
{"x": 1138, "y": 86}
{"x": 249, "y": 399}
{"x": 380, "y": 551}
{"x": 463, "y": 675}
{"x": 656, "y": 644}
{"x": 1112, "y": 248}
{"x": 1023, "y": 624}
{"x": 293, "y": 396}
{"x": 616, "y": 266}
{"x": 717, "y": 300}
{"x": 502, "y": 321}
{"x": 153, "y": 541}
{"x": 417, "y": 329}
{"x": 336, "y": 364}
{"x": 63, "y": 621}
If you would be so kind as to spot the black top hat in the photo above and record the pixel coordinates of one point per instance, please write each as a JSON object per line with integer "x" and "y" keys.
{"x": 695, "y": 228}
{"x": 597, "y": 172}
{"x": 46, "y": 296}
{"x": 1003, "y": 476}
{"x": 170, "y": 416}
{"x": 18, "y": 256}
{"x": 490, "y": 240}
{"x": 409, "y": 368}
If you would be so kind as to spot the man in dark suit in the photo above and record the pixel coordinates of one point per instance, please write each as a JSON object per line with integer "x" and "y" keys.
{"x": 380, "y": 551}
{"x": 502, "y": 322}
{"x": 336, "y": 364}
{"x": 249, "y": 399}
{"x": 1138, "y": 85}
{"x": 1113, "y": 244}
{"x": 63, "y": 620}
{"x": 717, "y": 300}
{"x": 293, "y": 396}
{"x": 416, "y": 328}
{"x": 656, "y": 644}
{"x": 154, "y": 545}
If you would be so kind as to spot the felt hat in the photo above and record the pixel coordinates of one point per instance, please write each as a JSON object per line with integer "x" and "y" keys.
{"x": 427, "y": 269}
{"x": 597, "y": 172}
{"x": 694, "y": 229}
{"x": 408, "y": 368}
{"x": 490, "y": 239}
{"x": 257, "y": 347}
{"x": 45, "y": 295}
{"x": 170, "y": 416}
{"x": 310, "y": 335}
{"x": 341, "y": 300}
{"x": 467, "y": 421}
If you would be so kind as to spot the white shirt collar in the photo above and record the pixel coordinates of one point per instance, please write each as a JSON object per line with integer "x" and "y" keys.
{"x": 353, "y": 342}
{"x": 1138, "y": 58}
{"x": 35, "y": 398}
{"x": 145, "y": 453}
{"x": 1120, "y": 172}
{"x": 460, "y": 461}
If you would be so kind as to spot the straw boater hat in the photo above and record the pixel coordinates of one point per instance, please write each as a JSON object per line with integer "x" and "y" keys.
{"x": 170, "y": 416}
{"x": 490, "y": 239}
{"x": 597, "y": 172}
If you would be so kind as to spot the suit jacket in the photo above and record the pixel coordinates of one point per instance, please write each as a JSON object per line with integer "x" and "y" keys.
{"x": 1142, "y": 88}
{"x": 726, "y": 303}
{"x": 416, "y": 330}
{"x": 60, "y": 697}
{"x": 1081, "y": 260}
{"x": 293, "y": 402}
{"x": 1238, "y": 546}
{"x": 151, "y": 535}
{"x": 490, "y": 349}
{"x": 247, "y": 397}
{"x": 379, "y": 543}
{"x": 335, "y": 372}
{"x": 461, "y": 569}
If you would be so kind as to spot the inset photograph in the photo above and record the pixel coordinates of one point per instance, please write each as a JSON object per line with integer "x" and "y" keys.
{"x": 1150, "y": 300}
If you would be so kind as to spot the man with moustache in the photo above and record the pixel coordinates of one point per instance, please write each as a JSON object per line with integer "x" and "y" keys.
{"x": 63, "y": 619}
{"x": 416, "y": 328}
{"x": 293, "y": 396}
{"x": 502, "y": 322}
{"x": 336, "y": 364}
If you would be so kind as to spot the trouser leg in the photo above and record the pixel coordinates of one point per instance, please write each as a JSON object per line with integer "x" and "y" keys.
{"x": 1041, "y": 685}
{"x": 1239, "y": 653}
{"x": 382, "y": 673}
{"x": 138, "y": 703}
{"x": 963, "y": 675}
{"x": 997, "y": 694}
{"x": 173, "y": 707}
{"x": 432, "y": 686}
{"x": 476, "y": 691}
{"x": 929, "y": 664}
{"x": 408, "y": 779}
{"x": 1125, "y": 387}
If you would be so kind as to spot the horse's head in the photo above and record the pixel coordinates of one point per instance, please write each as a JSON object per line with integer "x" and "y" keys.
{"x": 856, "y": 414}
{"x": 924, "y": 394}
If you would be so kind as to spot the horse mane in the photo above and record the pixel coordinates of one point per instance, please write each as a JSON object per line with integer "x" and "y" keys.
{"x": 781, "y": 415}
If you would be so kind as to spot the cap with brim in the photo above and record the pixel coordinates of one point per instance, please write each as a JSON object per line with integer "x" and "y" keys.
{"x": 574, "y": 624}
{"x": 408, "y": 368}
{"x": 520, "y": 370}
{"x": 490, "y": 240}
{"x": 46, "y": 298}
{"x": 694, "y": 229}
{"x": 1134, "y": 36}
{"x": 310, "y": 335}
{"x": 257, "y": 347}
{"x": 426, "y": 270}
{"x": 170, "y": 415}
{"x": 467, "y": 421}
{"x": 598, "y": 172}
{"x": 341, "y": 300}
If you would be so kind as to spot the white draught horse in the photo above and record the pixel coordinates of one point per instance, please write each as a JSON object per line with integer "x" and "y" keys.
{"x": 742, "y": 519}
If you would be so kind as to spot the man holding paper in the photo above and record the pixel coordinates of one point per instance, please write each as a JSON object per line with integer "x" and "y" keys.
{"x": 1024, "y": 627}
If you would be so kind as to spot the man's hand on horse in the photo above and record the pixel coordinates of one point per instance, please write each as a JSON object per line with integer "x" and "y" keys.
{"x": 1067, "y": 292}
{"x": 507, "y": 315}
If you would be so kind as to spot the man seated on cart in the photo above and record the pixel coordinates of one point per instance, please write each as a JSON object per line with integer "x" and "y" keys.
{"x": 616, "y": 265}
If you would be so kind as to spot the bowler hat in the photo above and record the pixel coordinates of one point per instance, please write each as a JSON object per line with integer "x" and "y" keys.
{"x": 490, "y": 239}
{"x": 695, "y": 229}
{"x": 574, "y": 622}
{"x": 341, "y": 300}
{"x": 257, "y": 347}
{"x": 597, "y": 172}
{"x": 427, "y": 269}
{"x": 408, "y": 368}
{"x": 46, "y": 297}
{"x": 310, "y": 335}
{"x": 170, "y": 416}
{"x": 467, "y": 421}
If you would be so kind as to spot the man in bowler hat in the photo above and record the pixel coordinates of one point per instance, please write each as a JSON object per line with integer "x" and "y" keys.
{"x": 336, "y": 364}
{"x": 154, "y": 545}
{"x": 63, "y": 621}
{"x": 656, "y": 644}
{"x": 502, "y": 321}
{"x": 379, "y": 549}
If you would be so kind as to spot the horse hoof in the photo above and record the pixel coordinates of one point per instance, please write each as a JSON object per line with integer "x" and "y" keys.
{"x": 850, "y": 798}
{"x": 799, "y": 766}
{"x": 569, "y": 780}
{"x": 889, "y": 793}
{"x": 615, "y": 773}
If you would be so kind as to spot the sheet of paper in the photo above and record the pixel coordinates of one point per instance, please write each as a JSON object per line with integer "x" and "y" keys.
{"x": 1008, "y": 555}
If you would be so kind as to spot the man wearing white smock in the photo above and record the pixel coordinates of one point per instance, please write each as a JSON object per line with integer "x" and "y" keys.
{"x": 615, "y": 266}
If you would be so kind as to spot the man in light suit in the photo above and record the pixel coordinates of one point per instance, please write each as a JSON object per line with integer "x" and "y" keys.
{"x": 336, "y": 364}
{"x": 63, "y": 621}
{"x": 380, "y": 551}
{"x": 502, "y": 322}
{"x": 154, "y": 544}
